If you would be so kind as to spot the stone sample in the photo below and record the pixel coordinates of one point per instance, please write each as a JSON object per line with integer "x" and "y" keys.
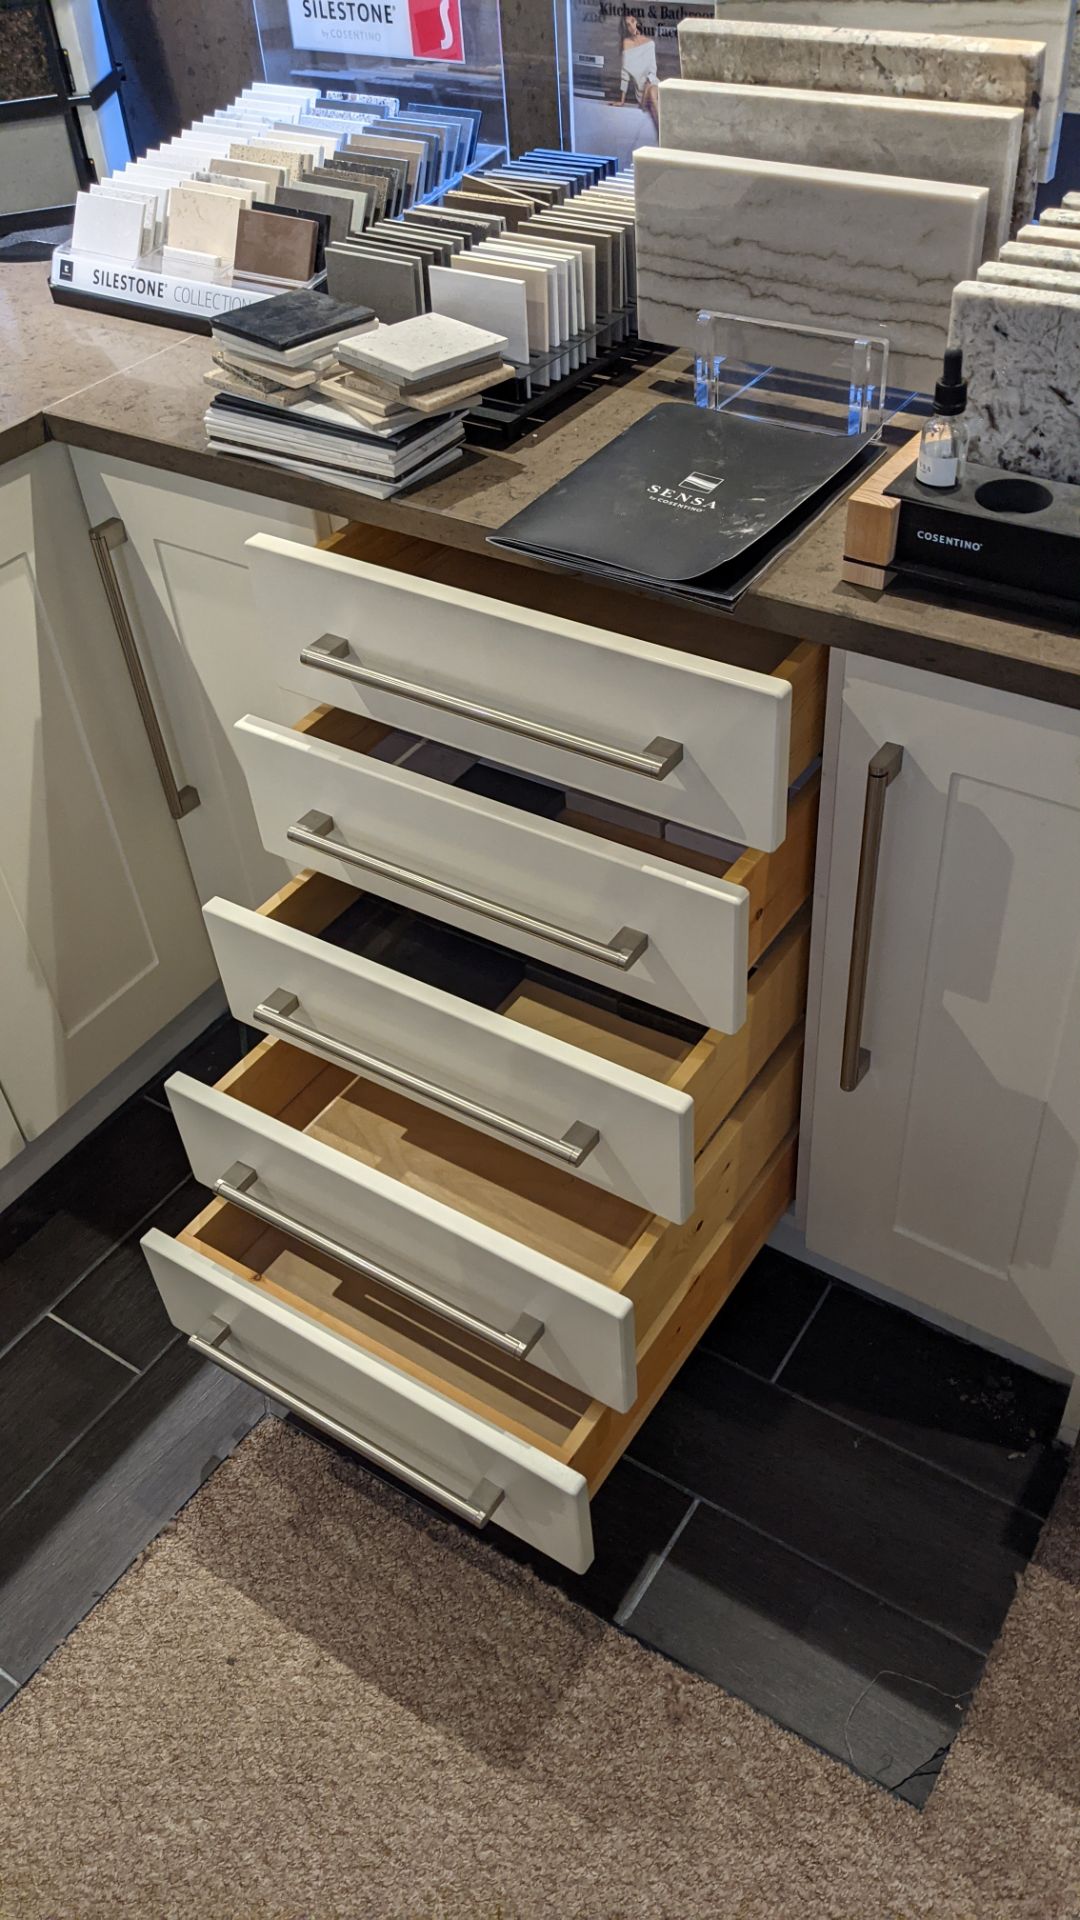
{"x": 911, "y": 66}
{"x": 1060, "y": 217}
{"x": 819, "y": 245}
{"x": 1022, "y": 363}
{"x": 420, "y": 348}
{"x": 206, "y": 219}
{"x": 1048, "y": 235}
{"x": 1025, "y": 254}
{"x": 1007, "y": 273}
{"x": 1048, "y": 21}
{"x": 977, "y": 146}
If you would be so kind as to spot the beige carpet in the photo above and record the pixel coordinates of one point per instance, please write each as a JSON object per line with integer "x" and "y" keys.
{"x": 311, "y": 1701}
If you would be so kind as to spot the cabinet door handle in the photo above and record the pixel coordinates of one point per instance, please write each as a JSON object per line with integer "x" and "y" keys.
{"x": 103, "y": 538}
{"x": 330, "y": 654}
{"x": 236, "y": 1187}
{"x": 277, "y": 1011}
{"x": 880, "y": 774}
{"x": 477, "y": 1509}
{"x": 622, "y": 951}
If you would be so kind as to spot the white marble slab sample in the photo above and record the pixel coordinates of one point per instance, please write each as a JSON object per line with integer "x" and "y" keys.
{"x": 1050, "y": 21}
{"x": 831, "y": 248}
{"x": 1060, "y": 217}
{"x": 1022, "y": 361}
{"x": 909, "y": 66}
{"x": 467, "y": 296}
{"x": 975, "y": 146}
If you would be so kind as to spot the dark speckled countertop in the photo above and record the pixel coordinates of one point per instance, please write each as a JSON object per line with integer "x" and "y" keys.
{"x": 137, "y": 391}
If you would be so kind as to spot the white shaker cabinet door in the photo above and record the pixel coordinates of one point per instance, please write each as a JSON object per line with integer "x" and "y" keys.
{"x": 951, "y": 1171}
{"x": 101, "y": 938}
{"x": 183, "y": 574}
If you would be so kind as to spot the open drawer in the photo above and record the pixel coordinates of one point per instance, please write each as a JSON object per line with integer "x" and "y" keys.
{"x": 489, "y": 1435}
{"x": 512, "y": 1252}
{"x": 669, "y": 924}
{"x": 619, "y": 1096}
{"x": 480, "y": 653}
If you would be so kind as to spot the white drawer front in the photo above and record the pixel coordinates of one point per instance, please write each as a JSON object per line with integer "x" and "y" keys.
{"x": 569, "y": 1325}
{"x": 542, "y": 1501}
{"x": 657, "y": 931}
{"x": 537, "y": 677}
{"x": 614, "y": 1128}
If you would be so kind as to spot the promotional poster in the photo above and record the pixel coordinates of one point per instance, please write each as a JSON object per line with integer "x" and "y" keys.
{"x": 618, "y": 56}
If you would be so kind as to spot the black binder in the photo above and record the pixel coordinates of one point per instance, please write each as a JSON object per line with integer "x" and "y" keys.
{"x": 693, "y": 501}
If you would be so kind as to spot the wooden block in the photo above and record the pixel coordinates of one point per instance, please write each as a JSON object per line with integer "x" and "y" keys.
{"x": 872, "y": 519}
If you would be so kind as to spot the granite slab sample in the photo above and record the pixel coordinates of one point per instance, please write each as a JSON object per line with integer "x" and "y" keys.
{"x": 1048, "y": 21}
{"x": 1038, "y": 235}
{"x": 831, "y": 248}
{"x": 1021, "y": 350}
{"x": 417, "y": 349}
{"x": 1007, "y": 273}
{"x": 1025, "y": 253}
{"x": 975, "y": 146}
{"x": 1060, "y": 217}
{"x": 908, "y": 66}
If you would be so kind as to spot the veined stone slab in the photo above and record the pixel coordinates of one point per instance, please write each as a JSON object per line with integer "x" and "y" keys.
{"x": 912, "y": 66}
{"x": 976, "y": 146}
{"x": 1022, "y": 364}
{"x": 1050, "y": 21}
{"x": 1023, "y": 254}
{"x": 1007, "y": 273}
{"x": 828, "y": 247}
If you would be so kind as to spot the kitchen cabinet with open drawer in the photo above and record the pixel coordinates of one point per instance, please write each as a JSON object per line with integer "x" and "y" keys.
{"x": 480, "y": 1190}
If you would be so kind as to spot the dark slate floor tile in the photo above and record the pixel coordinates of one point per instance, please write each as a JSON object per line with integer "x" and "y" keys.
{"x": 80, "y": 1528}
{"x": 209, "y": 1057}
{"x": 118, "y": 1304}
{"x": 633, "y": 1516}
{"x": 79, "y": 1210}
{"x": 855, "y": 1676}
{"x": 944, "y": 1399}
{"x": 766, "y": 1313}
{"x": 915, "y": 1537}
{"x": 52, "y": 1387}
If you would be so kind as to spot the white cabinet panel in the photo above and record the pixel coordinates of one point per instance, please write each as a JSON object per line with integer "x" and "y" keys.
{"x": 951, "y": 1173}
{"x": 101, "y": 941}
{"x": 183, "y": 573}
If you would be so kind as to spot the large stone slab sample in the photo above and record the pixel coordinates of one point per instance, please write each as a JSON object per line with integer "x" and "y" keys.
{"x": 1022, "y": 364}
{"x": 1051, "y": 21}
{"x": 857, "y": 252}
{"x": 965, "y": 144}
{"x": 753, "y": 51}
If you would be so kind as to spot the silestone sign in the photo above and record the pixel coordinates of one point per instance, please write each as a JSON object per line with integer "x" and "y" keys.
{"x": 394, "y": 29}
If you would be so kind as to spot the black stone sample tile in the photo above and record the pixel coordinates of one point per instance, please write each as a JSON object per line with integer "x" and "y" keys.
{"x": 856, "y": 1677}
{"x": 913, "y": 1536}
{"x": 634, "y": 1516}
{"x": 52, "y": 1387}
{"x": 78, "y": 1211}
{"x": 209, "y": 1057}
{"x": 118, "y": 1304}
{"x": 81, "y": 1527}
{"x": 988, "y": 1419}
{"x": 765, "y": 1315}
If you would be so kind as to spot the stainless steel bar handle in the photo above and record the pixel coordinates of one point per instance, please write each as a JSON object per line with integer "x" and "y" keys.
{"x": 278, "y": 1010}
{"x": 330, "y": 654}
{"x": 880, "y": 774}
{"x": 477, "y": 1510}
{"x": 623, "y": 951}
{"x": 236, "y": 1187}
{"x": 103, "y": 539}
